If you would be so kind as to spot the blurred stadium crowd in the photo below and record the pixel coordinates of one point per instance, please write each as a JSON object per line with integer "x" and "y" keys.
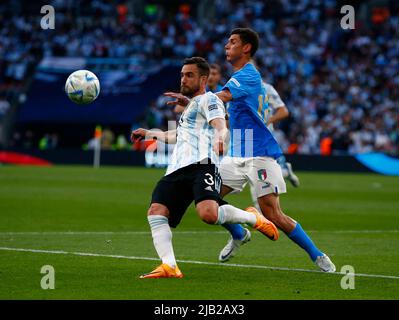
{"x": 341, "y": 86}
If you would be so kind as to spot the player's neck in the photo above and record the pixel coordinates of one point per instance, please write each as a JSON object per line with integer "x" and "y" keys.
{"x": 240, "y": 63}
{"x": 198, "y": 93}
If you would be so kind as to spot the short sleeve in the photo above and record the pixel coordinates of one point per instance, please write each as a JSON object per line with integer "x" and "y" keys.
{"x": 244, "y": 82}
{"x": 213, "y": 108}
{"x": 238, "y": 86}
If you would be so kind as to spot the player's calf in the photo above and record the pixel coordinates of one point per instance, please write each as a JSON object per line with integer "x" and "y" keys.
{"x": 282, "y": 221}
{"x": 210, "y": 212}
{"x": 270, "y": 208}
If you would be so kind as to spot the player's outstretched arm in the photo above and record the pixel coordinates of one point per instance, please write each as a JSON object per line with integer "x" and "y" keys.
{"x": 225, "y": 95}
{"x": 280, "y": 114}
{"x": 219, "y": 145}
{"x": 170, "y": 136}
{"x": 164, "y": 136}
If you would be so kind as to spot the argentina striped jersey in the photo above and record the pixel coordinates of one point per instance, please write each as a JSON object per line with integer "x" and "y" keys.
{"x": 274, "y": 100}
{"x": 195, "y": 136}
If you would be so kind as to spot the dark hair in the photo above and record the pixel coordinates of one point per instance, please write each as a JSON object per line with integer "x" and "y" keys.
{"x": 248, "y": 35}
{"x": 216, "y": 66}
{"x": 201, "y": 64}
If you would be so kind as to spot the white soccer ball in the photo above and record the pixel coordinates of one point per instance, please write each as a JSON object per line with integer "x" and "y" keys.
{"x": 82, "y": 87}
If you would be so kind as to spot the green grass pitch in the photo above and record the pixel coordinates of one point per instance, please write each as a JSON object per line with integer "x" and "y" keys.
{"x": 90, "y": 225}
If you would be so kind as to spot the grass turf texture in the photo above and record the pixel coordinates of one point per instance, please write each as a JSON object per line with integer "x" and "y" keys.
{"x": 352, "y": 217}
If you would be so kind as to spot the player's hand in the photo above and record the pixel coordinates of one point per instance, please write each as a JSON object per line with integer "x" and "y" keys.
{"x": 138, "y": 134}
{"x": 180, "y": 99}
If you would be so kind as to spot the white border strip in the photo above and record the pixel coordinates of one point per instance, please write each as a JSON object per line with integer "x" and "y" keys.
{"x": 88, "y": 254}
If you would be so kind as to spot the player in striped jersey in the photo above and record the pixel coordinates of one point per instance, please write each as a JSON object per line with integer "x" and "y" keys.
{"x": 192, "y": 174}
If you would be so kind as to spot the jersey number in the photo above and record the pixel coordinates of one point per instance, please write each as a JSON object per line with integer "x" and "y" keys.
{"x": 209, "y": 181}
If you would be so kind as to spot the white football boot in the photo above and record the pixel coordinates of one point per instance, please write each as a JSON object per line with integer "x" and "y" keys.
{"x": 232, "y": 246}
{"x": 325, "y": 264}
{"x": 292, "y": 176}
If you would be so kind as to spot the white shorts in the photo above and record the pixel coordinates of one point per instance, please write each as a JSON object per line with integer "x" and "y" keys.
{"x": 263, "y": 173}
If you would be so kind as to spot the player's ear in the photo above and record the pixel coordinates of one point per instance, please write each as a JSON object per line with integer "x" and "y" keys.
{"x": 246, "y": 48}
{"x": 204, "y": 79}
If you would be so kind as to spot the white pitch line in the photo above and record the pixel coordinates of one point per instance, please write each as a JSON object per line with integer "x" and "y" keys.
{"x": 88, "y": 254}
{"x": 39, "y": 233}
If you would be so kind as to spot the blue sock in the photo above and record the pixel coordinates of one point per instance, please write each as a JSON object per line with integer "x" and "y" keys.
{"x": 299, "y": 236}
{"x": 236, "y": 230}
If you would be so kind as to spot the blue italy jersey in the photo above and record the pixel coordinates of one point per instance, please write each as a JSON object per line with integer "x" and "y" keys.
{"x": 248, "y": 114}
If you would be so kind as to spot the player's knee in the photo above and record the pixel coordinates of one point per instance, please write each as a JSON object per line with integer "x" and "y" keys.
{"x": 157, "y": 209}
{"x": 208, "y": 214}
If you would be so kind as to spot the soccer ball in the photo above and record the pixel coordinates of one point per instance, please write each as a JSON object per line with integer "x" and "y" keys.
{"x": 82, "y": 87}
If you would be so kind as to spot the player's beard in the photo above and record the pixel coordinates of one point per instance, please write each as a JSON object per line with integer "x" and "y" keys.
{"x": 189, "y": 92}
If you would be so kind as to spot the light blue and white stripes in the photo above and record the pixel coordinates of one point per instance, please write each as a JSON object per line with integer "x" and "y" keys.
{"x": 157, "y": 221}
{"x": 195, "y": 136}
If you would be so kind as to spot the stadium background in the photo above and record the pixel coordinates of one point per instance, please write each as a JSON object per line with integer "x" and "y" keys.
{"x": 341, "y": 87}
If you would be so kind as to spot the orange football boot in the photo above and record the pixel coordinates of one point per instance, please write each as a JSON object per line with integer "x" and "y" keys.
{"x": 263, "y": 225}
{"x": 163, "y": 271}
